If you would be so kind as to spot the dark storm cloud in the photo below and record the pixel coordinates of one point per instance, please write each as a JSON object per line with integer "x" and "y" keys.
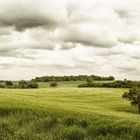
{"x": 27, "y": 14}
{"x": 24, "y": 20}
{"x": 21, "y": 24}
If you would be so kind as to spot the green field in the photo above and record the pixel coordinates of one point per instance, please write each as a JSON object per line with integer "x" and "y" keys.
{"x": 61, "y": 84}
{"x": 66, "y": 83}
{"x": 67, "y": 113}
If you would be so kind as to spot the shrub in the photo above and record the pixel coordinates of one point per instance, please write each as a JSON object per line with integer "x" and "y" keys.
{"x": 21, "y": 84}
{"x": 133, "y": 96}
{"x": 53, "y": 84}
{"x": 24, "y": 84}
{"x": 8, "y": 84}
{"x": 32, "y": 84}
{"x": 1, "y": 86}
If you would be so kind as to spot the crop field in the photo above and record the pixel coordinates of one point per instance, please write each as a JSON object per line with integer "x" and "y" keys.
{"x": 67, "y": 113}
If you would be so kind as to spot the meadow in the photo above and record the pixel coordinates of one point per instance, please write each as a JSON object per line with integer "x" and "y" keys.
{"x": 67, "y": 113}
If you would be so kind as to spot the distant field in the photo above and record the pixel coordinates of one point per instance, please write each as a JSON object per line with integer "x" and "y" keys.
{"x": 61, "y": 84}
{"x": 67, "y": 114}
{"x": 65, "y": 84}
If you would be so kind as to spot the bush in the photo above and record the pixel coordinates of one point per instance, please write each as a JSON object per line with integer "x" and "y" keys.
{"x": 21, "y": 84}
{"x": 53, "y": 84}
{"x": 133, "y": 95}
{"x": 8, "y": 84}
{"x": 32, "y": 85}
{"x": 25, "y": 84}
{"x": 1, "y": 86}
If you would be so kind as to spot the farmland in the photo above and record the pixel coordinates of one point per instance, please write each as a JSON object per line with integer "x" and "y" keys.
{"x": 68, "y": 113}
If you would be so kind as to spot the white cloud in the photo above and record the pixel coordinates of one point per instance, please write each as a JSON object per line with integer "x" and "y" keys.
{"x": 69, "y": 36}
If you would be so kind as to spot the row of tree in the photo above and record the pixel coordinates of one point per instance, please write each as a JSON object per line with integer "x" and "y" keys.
{"x": 21, "y": 84}
{"x": 72, "y": 78}
{"x": 114, "y": 84}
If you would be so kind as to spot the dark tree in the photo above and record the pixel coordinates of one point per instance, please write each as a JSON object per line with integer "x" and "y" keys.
{"x": 27, "y": 84}
{"x": 22, "y": 84}
{"x": 133, "y": 95}
{"x": 32, "y": 84}
{"x": 72, "y": 78}
{"x": 8, "y": 83}
{"x": 1, "y": 85}
{"x": 89, "y": 80}
{"x": 53, "y": 84}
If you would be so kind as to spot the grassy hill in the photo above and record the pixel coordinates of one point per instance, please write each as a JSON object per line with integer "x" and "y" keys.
{"x": 67, "y": 113}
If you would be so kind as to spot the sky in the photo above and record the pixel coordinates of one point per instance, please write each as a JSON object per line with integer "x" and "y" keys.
{"x": 69, "y": 37}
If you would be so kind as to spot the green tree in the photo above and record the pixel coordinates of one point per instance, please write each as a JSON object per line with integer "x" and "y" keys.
{"x": 8, "y": 83}
{"x": 53, "y": 84}
{"x": 32, "y": 84}
{"x": 27, "y": 84}
{"x": 22, "y": 84}
{"x": 133, "y": 95}
{"x": 1, "y": 85}
{"x": 89, "y": 80}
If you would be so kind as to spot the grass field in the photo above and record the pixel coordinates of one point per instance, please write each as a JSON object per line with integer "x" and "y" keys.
{"x": 66, "y": 83}
{"x": 61, "y": 84}
{"x": 67, "y": 113}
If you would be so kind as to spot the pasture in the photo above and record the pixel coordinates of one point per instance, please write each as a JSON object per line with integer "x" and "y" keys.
{"x": 67, "y": 113}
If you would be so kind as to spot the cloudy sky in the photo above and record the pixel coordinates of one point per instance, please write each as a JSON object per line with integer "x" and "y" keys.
{"x": 69, "y": 37}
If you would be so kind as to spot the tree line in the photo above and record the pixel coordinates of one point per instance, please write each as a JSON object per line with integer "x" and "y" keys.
{"x": 72, "y": 78}
{"x": 115, "y": 84}
{"x": 20, "y": 84}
